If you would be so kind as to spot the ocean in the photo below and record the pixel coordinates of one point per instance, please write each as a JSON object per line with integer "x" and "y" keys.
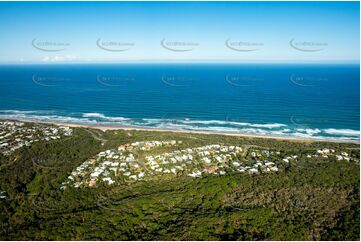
{"x": 318, "y": 101}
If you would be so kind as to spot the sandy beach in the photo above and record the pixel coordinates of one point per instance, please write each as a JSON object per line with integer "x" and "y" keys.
{"x": 106, "y": 127}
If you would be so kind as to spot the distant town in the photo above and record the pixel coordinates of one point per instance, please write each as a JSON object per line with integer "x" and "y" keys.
{"x": 128, "y": 163}
{"x": 137, "y": 161}
{"x": 15, "y": 134}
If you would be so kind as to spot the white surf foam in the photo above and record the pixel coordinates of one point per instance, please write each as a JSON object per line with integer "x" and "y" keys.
{"x": 272, "y": 129}
{"x": 345, "y": 132}
{"x": 220, "y": 122}
{"x": 103, "y": 117}
{"x": 93, "y": 115}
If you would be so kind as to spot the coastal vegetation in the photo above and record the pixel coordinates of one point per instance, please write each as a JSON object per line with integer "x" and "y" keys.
{"x": 312, "y": 195}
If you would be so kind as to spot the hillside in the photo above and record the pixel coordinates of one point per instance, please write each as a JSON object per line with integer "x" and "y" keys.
{"x": 60, "y": 183}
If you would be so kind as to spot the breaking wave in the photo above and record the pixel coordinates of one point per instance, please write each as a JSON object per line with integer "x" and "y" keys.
{"x": 269, "y": 126}
{"x": 103, "y": 117}
{"x": 216, "y": 126}
{"x": 93, "y": 115}
{"x": 345, "y": 132}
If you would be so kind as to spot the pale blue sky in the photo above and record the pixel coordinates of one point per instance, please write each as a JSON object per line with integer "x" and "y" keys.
{"x": 321, "y": 31}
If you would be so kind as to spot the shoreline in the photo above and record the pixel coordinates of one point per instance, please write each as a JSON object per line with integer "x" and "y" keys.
{"x": 106, "y": 127}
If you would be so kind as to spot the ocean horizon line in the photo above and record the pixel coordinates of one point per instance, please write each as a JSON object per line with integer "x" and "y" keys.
{"x": 170, "y": 62}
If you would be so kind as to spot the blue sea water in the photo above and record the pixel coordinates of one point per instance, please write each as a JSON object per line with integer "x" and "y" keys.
{"x": 320, "y": 101}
